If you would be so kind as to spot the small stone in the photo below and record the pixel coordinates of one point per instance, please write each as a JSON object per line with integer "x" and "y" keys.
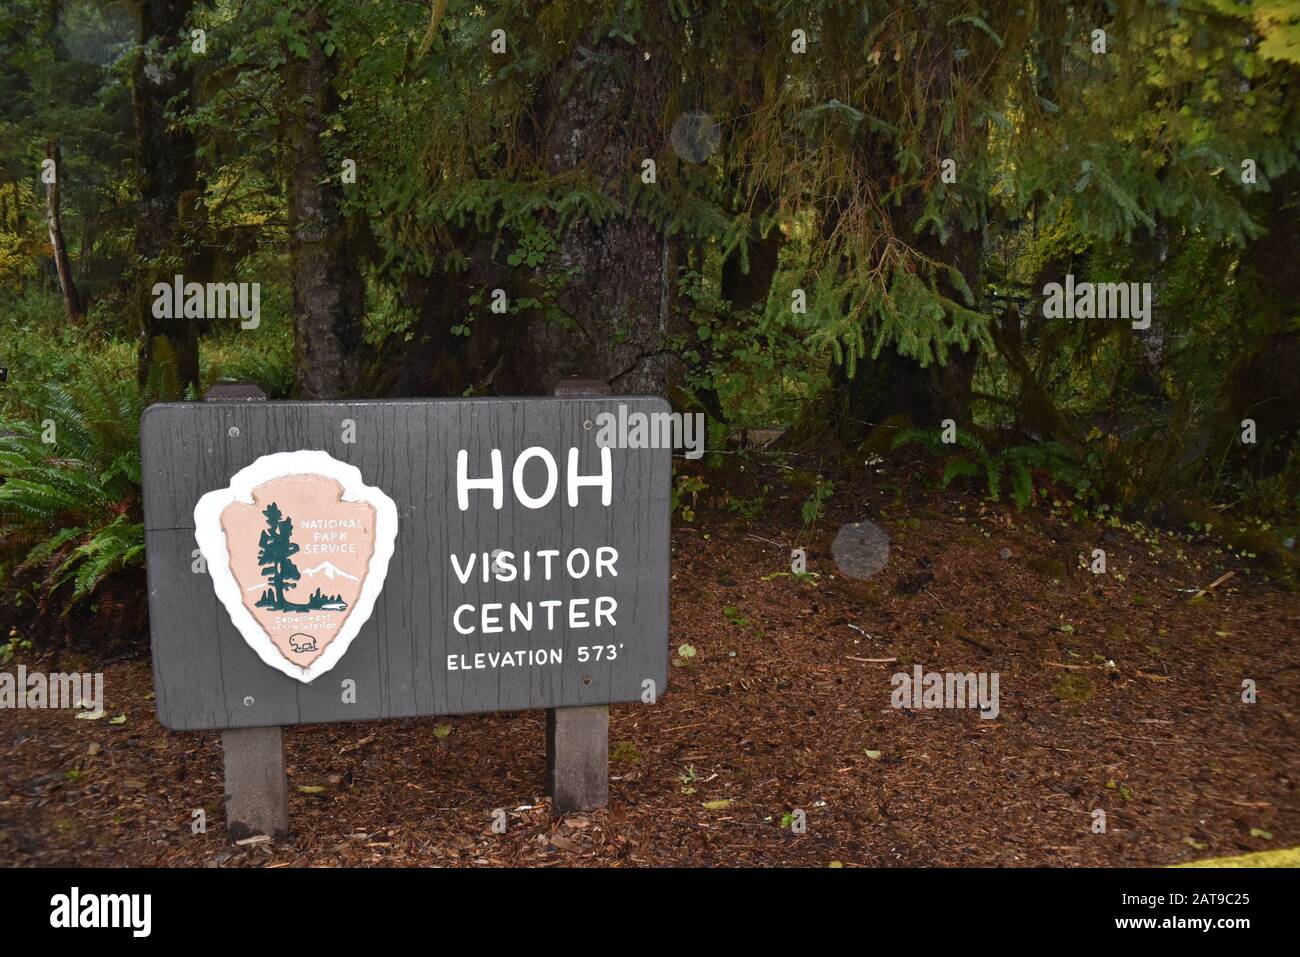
{"x": 1006, "y": 553}
{"x": 860, "y": 549}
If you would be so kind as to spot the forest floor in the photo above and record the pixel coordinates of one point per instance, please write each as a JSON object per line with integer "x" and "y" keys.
{"x": 1118, "y": 692}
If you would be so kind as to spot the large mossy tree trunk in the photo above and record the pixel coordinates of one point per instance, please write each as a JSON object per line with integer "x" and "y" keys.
{"x": 328, "y": 289}
{"x": 599, "y": 115}
{"x": 1264, "y": 385}
{"x": 168, "y": 177}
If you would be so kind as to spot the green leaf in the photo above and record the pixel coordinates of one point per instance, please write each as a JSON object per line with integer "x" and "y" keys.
{"x": 958, "y": 466}
{"x": 1022, "y": 485}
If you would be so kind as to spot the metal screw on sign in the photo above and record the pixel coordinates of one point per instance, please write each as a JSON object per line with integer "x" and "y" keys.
{"x": 233, "y": 432}
{"x": 248, "y": 701}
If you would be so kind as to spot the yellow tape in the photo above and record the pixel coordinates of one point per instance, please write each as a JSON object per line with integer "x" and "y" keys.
{"x": 1290, "y": 857}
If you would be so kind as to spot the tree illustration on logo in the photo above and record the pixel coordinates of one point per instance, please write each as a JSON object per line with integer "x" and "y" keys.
{"x": 276, "y": 549}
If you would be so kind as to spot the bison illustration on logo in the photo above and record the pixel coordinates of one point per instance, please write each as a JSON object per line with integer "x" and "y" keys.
{"x": 308, "y": 642}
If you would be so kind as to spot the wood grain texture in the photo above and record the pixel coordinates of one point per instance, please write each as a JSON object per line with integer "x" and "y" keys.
{"x": 577, "y": 739}
{"x": 256, "y": 786}
{"x": 257, "y": 789}
{"x": 577, "y": 758}
{"x": 204, "y": 672}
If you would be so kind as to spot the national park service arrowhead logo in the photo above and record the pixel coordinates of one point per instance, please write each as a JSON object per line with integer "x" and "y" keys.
{"x": 298, "y": 548}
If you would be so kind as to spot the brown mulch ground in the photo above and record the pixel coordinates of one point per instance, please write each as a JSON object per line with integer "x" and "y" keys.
{"x": 776, "y": 711}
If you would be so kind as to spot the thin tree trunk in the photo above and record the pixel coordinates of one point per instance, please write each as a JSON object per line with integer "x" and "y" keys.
{"x": 328, "y": 290}
{"x": 168, "y": 172}
{"x": 71, "y": 300}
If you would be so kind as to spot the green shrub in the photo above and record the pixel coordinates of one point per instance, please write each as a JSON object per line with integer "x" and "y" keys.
{"x": 1016, "y": 462}
{"x": 41, "y": 346}
{"x": 70, "y": 503}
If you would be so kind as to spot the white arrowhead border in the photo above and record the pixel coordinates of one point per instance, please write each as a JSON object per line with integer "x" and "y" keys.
{"x": 212, "y": 546}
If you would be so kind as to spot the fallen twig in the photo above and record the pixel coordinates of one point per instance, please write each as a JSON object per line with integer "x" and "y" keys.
{"x": 1212, "y": 585}
{"x": 357, "y": 744}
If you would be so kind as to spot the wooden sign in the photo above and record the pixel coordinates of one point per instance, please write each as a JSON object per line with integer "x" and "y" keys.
{"x": 332, "y": 561}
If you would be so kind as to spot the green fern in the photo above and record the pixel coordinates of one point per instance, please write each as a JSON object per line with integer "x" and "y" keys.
{"x": 1016, "y": 463}
{"x": 956, "y": 467}
{"x": 72, "y": 506}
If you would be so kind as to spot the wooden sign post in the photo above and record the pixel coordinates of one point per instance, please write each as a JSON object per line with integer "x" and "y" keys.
{"x": 256, "y": 794}
{"x": 383, "y": 559}
{"x": 577, "y": 739}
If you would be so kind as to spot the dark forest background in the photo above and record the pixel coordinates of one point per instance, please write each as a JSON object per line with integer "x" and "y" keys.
{"x": 799, "y": 258}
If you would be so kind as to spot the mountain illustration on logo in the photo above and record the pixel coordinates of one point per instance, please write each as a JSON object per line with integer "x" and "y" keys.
{"x": 328, "y": 569}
